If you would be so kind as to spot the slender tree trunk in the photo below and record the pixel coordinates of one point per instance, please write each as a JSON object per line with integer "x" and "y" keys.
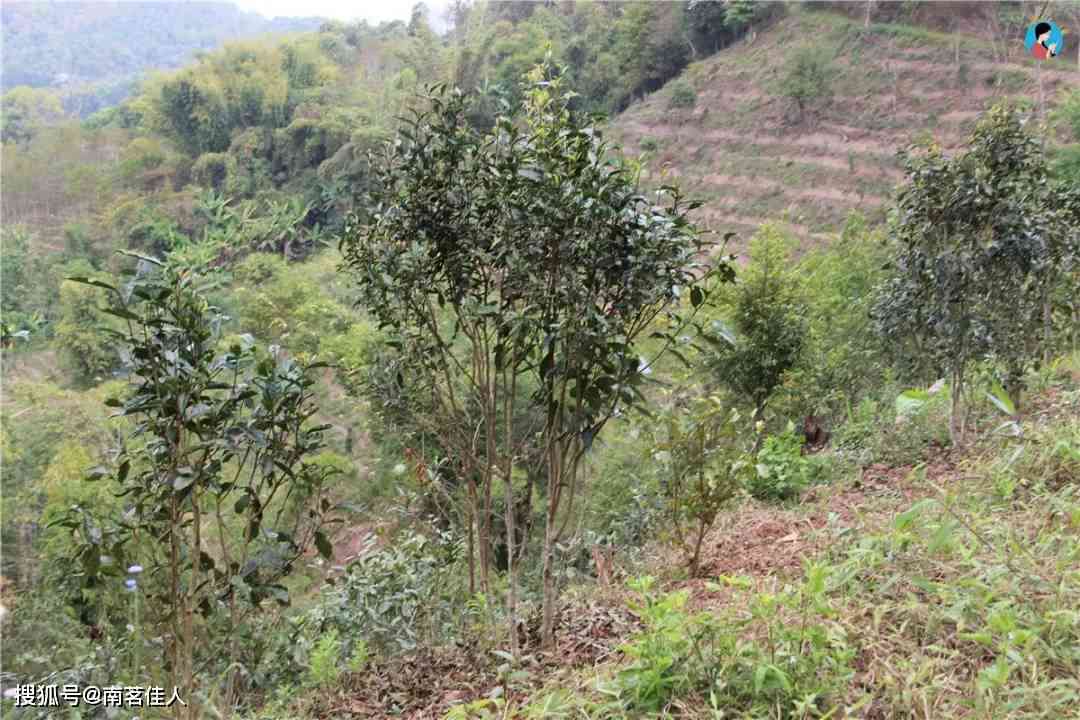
{"x": 511, "y": 567}
{"x": 956, "y": 424}
{"x": 759, "y": 437}
{"x": 547, "y": 627}
{"x": 695, "y": 561}
{"x": 178, "y": 649}
{"x": 1048, "y": 330}
{"x": 472, "y": 531}
{"x": 483, "y": 530}
{"x": 509, "y": 388}
{"x": 192, "y": 602}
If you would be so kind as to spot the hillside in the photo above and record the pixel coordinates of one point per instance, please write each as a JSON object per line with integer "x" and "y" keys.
{"x": 356, "y": 374}
{"x": 93, "y": 51}
{"x": 741, "y": 150}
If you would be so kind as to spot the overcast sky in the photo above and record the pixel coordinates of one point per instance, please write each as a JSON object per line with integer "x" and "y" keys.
{"x": 374, "y": 11}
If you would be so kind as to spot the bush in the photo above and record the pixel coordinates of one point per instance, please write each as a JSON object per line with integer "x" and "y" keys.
{"x": 1067, "y": 115}
{"x": 683, "y": 95}
{"x": 844, "y": 358}
{"x": 781, "y": 471}
{"x": 768, "y": 318}
{"x": 395, "y": 599}
{"x": 1066, "y": 164}
{"x": 666, "y": 659}
{"x": 86, "y": 349}
{"x": 807, "y": 77}
{"x": 896, "y": 433}
{"x": 214, "y": 170}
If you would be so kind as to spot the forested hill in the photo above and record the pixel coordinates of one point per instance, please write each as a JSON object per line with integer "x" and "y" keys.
{"x": 108, "y": 44}
{"x": 321, "y": 381}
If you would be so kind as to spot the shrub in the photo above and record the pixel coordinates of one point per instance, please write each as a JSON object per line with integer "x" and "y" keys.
{"x": 394, "y": 599}
{"x": 1067, "y": 114}
{"x": 86, "y": 348}
{"x": 666, "y": 655}
{"x": 807, "y": 77}
{"x": 786, "y": 658}
{"x": 683, "y": 95}
{"x": 897, "y": 432}
{"x": 781, "y": 470}
{"x": 703, "y": 464}
{"x": 768, "y": 316}
{"x": 214, "y": 170}
{"x": 844, "y": 357}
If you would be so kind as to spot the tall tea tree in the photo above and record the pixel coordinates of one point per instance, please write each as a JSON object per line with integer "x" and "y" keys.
{"x": 521, "y": 266}
{"x": 979, "y": 244}
{"x": 221, "y": 496}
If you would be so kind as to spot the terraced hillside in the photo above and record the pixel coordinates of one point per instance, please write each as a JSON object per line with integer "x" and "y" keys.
{"x": 741, "y": 150}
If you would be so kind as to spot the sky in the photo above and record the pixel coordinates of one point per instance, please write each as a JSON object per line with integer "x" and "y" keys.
{"x": 374, "y": 11}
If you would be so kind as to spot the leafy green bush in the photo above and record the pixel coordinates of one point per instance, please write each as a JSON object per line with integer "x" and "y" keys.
{"x": 781, "y": 470}
{"x": 216, "y": 171}
{"x": 396, "y": 598}
{"x": 86, "y": 348}
{"x": 683, "y": 94}
{"x": 1066, "y": 163}
{"x": 807, "y": 77}
{"x": 1067, "y": 114}
{"x": 627, "y": 502}
{"x": 767, "y": 312}
{"x": 844, "y": 358}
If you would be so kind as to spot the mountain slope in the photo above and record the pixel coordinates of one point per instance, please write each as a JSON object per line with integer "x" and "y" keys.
{"x": 108, "y": 44}
{"x": 742, "y": 151}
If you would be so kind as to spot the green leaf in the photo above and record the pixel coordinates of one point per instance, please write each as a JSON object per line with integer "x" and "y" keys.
{"x": 697, "y": 296}
{"x": 140, "y": 256}
{"x": 323, "y": 545}
{"x": 89, "y": 281}
{"x": 1001, "y": 399}
{"x": 122, "y": 313}
{"x": 183, "y": 480}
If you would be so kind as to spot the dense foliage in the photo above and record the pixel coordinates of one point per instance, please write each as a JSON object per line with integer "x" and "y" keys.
{"x": 551, "y": 266}
{"x": 411, "y": 371}
{"x": 982, "y": 240}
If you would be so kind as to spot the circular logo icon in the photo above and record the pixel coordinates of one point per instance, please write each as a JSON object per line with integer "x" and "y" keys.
{"x": 1043, "y": 39}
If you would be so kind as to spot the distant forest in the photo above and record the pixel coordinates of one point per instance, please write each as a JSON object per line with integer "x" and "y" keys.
{"x": 94, "y": 51}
